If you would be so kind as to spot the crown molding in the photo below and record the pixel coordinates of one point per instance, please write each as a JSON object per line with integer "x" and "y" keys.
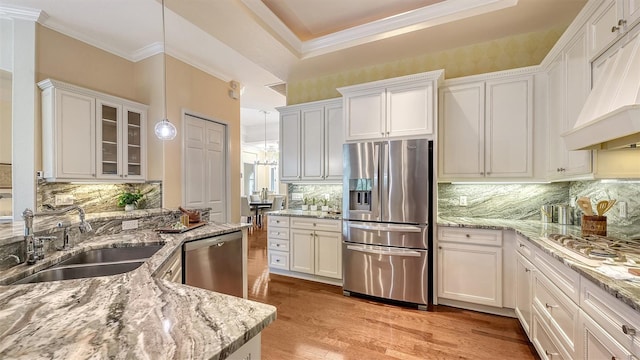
{"x": 147, "y": 51}
{"x": 185, "y": 58}
{"x": 22, "y": 13}
{"x": 576, "y": 26}
{"x": 409, "y": 21}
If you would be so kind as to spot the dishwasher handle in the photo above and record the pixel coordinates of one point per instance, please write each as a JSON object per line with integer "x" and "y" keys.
{"x": 212, "y": 241}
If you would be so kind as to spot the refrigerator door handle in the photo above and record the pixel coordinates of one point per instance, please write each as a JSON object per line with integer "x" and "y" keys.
{"x": 398, "y": 228}
{"x": 384, "y": 180}
{"x": 390, "y": 252}
{"x": 375, "y": 192}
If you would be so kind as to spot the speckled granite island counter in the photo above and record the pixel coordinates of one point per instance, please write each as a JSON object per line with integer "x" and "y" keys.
{"x": 128, "y": 316}
{"x": 626, "y": 291}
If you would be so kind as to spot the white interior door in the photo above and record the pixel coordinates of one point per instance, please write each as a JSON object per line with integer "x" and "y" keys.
{"x": 205, "y": 174}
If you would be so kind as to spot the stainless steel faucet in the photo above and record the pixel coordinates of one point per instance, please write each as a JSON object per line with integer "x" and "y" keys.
{"x": 34, "y": 245}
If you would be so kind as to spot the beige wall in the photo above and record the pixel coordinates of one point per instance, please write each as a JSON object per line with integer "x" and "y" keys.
{"x": 194, "y": 91}
{"x": 66, "y": 59}
{"x": 148, "y": 82}
{"x": 501, "y": 54}
{"x": 63, "y": 58}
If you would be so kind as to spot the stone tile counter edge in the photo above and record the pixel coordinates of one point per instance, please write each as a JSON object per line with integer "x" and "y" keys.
{"x": 625, "y": 291}
{"x": 130, "y": 315}
{"x": 305, "y": 213}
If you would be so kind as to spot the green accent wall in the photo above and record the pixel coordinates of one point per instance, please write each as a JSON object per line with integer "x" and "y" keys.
{"x": 501, "y": 54}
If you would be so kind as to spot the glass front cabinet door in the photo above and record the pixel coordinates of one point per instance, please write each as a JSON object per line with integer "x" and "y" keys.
{"x": 120, "y": 134}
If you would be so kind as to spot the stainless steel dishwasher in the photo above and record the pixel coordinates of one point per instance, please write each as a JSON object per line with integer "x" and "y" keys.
{"x": 214, "y": 263}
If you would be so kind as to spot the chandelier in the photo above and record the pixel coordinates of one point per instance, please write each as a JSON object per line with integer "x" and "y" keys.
{"x": 270, "y": 153}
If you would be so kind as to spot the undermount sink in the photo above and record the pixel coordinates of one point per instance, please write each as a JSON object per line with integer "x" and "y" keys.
{"x": 94, "y": 263}
{"x": 107, "y": 255}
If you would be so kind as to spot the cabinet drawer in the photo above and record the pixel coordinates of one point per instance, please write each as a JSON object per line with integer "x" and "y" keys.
{"x": 471, "y": 236}
{"x": 544, "y": 341}
{"x": 279, "y": 221}
{"x": 279, "y": 260}
{"x": 598, "y": 344}
{"x": 280, "y": 245}
{"x": 561, "y": 313}
{"x": 567, "y": 280}
{"x": 316, "y": 224}
{"x": 524, "y": 247}
{"x": 278, "y": 233}
{"x": 612, "y": 315}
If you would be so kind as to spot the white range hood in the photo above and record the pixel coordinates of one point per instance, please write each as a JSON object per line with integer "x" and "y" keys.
{"x": 610, "y": 118}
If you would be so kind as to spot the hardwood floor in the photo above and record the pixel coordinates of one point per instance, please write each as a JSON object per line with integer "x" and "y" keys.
{"x": 315, "y": 321}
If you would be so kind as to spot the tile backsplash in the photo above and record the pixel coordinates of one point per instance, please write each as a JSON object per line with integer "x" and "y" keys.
{"x": 523, "y": 201}
{"x": 627, "y": 191}
{"x": 316, "y": 191}
{"x": 98, "y": 198}
{"x": 500, "y": 201}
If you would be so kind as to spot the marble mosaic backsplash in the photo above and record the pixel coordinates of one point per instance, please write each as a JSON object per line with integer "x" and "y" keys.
{"x": 500, "y": 201}
{"x": 620, "y": 190}
{"x": 317, "y": 191}
{"x": 99, "y": 198}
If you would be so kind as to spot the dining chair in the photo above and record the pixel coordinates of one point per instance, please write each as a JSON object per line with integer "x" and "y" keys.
{"x": 276, "y": 204}
{"x": 245, "y": 210}
{"x": 255, "y": 198}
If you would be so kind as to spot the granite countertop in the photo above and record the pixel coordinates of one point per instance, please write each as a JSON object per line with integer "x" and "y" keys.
{"x": 626, "y": 291}
{"x": 305, "y": 213}
{"x": 130, "y": 315}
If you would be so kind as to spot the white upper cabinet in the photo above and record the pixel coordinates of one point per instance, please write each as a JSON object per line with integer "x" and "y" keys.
{"x": 68, "y": 134}
{"x": 91, "y": 136}
{"x": 486, "y": 129}
{"x": 609, "y": 22}
{"x": 393, "y": 108}
{"x": 289, "y": 143}
{"x": 311, "y": 141}
{"x": 569, "y": 83}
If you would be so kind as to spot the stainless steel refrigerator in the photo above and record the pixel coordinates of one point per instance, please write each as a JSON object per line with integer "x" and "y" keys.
{"x": 387, "y": 212}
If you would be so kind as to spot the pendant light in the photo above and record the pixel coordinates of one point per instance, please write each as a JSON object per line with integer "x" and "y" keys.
{"x": 164, "y": 129}
{"x": 268, "y": 154}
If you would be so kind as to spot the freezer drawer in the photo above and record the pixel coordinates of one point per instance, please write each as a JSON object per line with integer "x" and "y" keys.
{"x": 386, "y": 272}
{"x": 399, "y": 235}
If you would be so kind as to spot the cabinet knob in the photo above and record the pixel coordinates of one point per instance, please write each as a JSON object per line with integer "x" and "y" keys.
{"x": 521, "y": 245}
{"x": 169, "y": 272}
{"x": 527, "y": 270}
{"x": 467, "y": 235}
{"x": 488, "y": 173}
{"x": 615, "y": 28}
{"x": 481, "y": 172}
{"x": 125, "y": 175}
{"x": 628, "y": 330}
{"x": 549, "y": 306}
{"x": 440, "y": 247}
{"x": 277, "y": 260}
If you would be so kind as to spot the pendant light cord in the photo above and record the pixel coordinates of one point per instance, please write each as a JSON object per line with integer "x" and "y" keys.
{"x": 164, "y": 66}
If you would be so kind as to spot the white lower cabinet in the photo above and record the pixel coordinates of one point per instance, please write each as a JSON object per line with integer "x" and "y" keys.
{"x": 316, "y": 247}
{"x": 597, "y": 343}
{"x": 544, "y": 341}
{"x": 558, "y": 311}
{"x": 567, "y": 316}
{"x": 251, "y": 350}
{"x": 309, "y": 248}
{"x": 470, "y": 265}
{"x": 278, "y": 242}
{"x": 524, "y": 279}
{"x": 172, "y": 268}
